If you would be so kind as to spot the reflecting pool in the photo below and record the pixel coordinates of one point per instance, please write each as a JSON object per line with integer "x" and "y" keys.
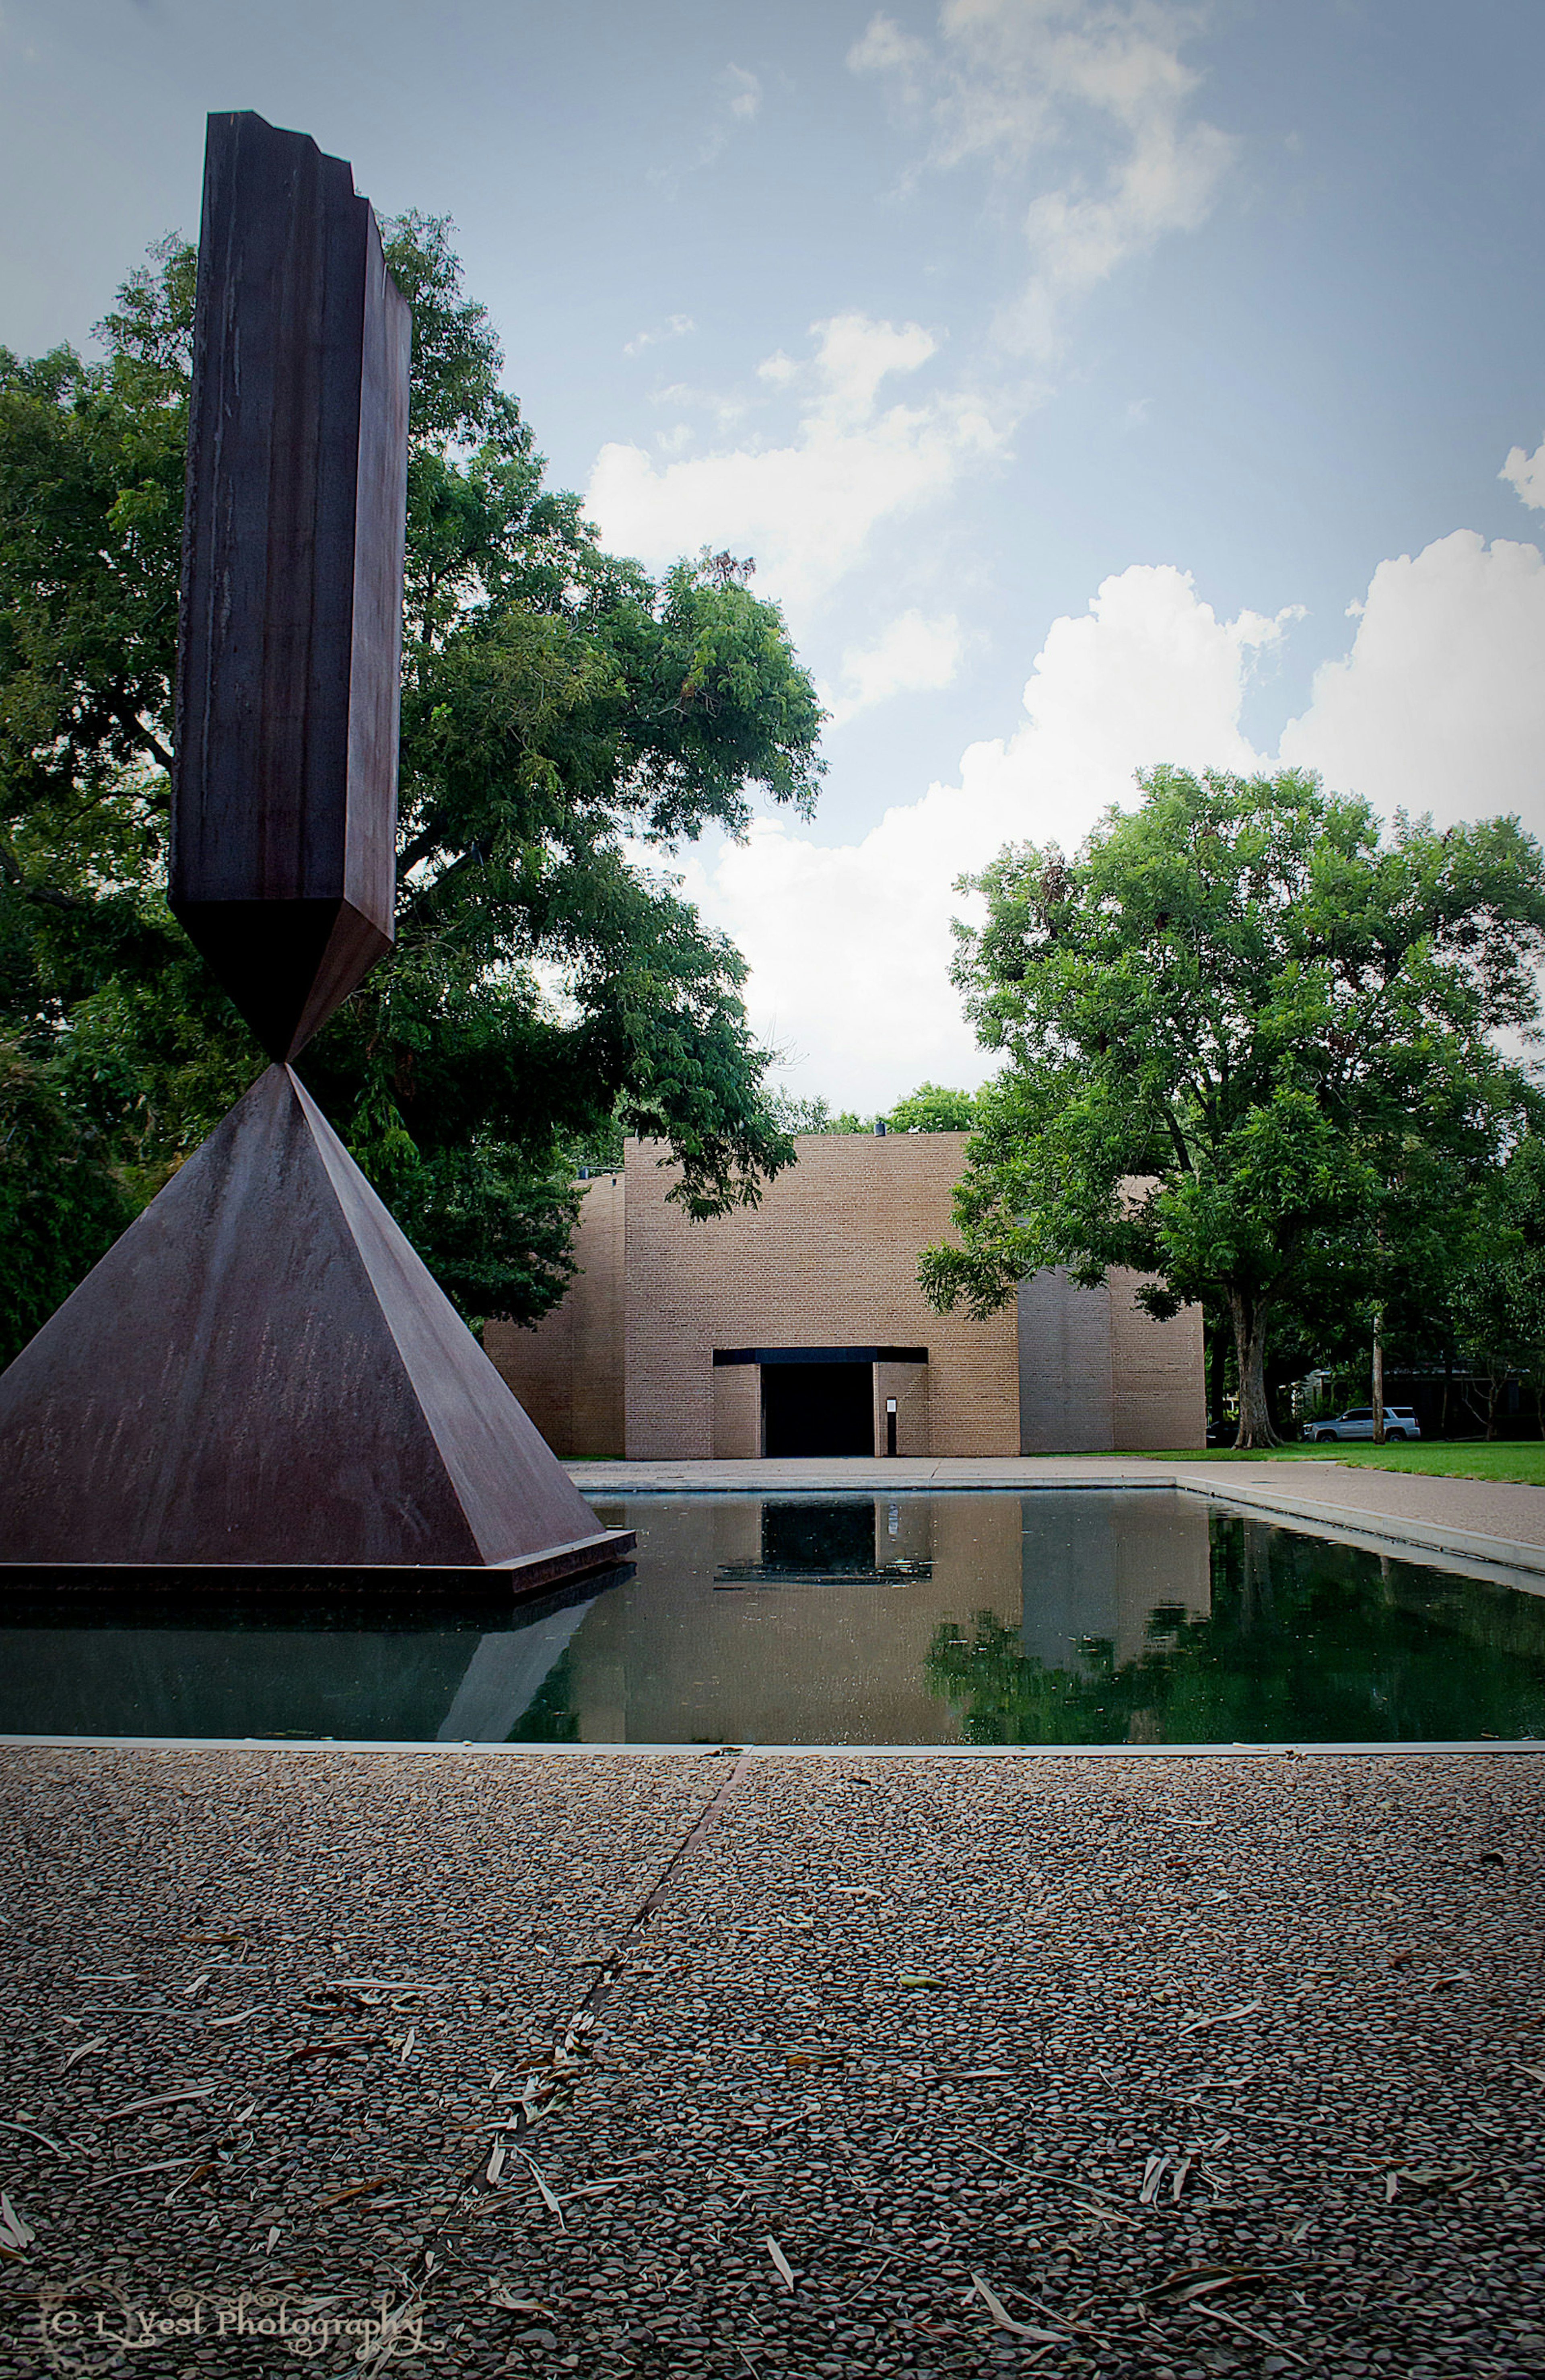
{"x": 1083, "y": 1616}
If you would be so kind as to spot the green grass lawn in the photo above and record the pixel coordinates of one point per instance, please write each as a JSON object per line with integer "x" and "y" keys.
{"x": 1471, "y": 1459}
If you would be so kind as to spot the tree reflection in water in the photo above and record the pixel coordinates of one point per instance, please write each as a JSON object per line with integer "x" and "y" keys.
{"x": 1305, "y": 1640}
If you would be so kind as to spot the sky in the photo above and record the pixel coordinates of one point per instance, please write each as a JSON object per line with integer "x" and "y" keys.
{"x": 1094, "y": 382}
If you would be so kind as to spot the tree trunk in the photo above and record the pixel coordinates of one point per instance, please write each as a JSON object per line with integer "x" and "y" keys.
{"x": 1377, "y": 1375}
{"x": 1249, "y": 1340}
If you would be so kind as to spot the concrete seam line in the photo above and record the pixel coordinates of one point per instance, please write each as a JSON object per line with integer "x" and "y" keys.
{"x": 659, "y": 1892}
{"x": 707, "y": 1820}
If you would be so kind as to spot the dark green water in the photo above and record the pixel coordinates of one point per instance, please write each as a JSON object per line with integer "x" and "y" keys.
{"x": 1062, "y": 1617}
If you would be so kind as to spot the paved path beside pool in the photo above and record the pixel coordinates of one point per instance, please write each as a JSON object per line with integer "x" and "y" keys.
{"x": 847, "y": 2068}
{"x": 1494, "y": 1519}
{"x": 1493, "y": 1525}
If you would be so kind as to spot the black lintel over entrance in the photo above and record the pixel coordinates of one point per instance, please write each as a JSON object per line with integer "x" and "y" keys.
{"x": 821, "y": 1355}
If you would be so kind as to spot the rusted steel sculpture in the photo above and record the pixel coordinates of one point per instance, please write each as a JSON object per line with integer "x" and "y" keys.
{"x": 284, "y": 801}
{"x": 262, "y": 1373}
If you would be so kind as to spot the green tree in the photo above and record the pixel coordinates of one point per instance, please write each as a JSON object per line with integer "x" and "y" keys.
{"x": 1496, "y": 1298}
{"x": 932, "y": 1108}
{"x": 1248, "y": 1053}
{"x": 561, "y": 710}
{"x": 62, "y": 1204}
{"x": 792, "y": 1114}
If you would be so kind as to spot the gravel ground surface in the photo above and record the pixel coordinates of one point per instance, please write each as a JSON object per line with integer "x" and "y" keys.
{"x": 838, "y": 2066}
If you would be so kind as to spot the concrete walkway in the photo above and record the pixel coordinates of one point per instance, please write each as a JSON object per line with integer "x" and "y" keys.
{"x": 841, "y": 2069}
{"x": 1491, "y": 1527}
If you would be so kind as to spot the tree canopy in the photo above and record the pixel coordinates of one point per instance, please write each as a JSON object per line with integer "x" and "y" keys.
{"x": 1249, "y": 1054}
{"x": 930, "y": 1107}
{"x": 565, "y": 720}
{"x": 933, "y": 1107}
{"x": 1496, "y": 1289}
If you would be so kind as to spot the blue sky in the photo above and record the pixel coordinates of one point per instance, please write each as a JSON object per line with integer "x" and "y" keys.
{"x": 1163, "y": 360}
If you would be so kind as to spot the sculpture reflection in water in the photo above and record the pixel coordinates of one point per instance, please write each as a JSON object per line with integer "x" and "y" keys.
{"x": 1305, "y": 1641}
{"x": 1082, "y": 1618}
{"x": 310, "y": 1664}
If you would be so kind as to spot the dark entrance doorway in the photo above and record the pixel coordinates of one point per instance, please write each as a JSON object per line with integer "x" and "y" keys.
{"x": 806, "y": 1540}
{"x": 818, "y": 1408}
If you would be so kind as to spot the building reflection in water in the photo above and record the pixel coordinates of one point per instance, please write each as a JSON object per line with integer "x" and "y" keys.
{"x": 786, "y": 1619}
{"x": 809, "y": 1620}
{"x": 1099, "y": 1568}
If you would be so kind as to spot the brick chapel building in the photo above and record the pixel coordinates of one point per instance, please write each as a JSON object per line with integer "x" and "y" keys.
{"x": 797, "y": 1327}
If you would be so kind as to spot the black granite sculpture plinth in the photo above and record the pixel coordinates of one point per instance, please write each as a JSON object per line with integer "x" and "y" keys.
{"x": 262, "y": 1374}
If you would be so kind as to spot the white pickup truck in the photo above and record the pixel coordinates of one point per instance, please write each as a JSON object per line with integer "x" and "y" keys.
{"x": 1400, "y": 1422}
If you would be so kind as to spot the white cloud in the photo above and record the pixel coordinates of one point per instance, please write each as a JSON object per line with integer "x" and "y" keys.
{"x": 1091, "y": 108}
{"x": 1526, "y": 473}
{"x": 914, "y": 656}
{"x": 675, "y": 326}
{"x": 884, "y": 48}
{"x": 856, "y": 354}
{"x": 726, "y": 409}
{"x": 1103, "y": 88}
{"x": 808, "y": 508}
{"x": 736, "y": 102}
{"x": 742, "y": 92}
{"x": 850, "y": 947}
{"x": 1440, "y": 705}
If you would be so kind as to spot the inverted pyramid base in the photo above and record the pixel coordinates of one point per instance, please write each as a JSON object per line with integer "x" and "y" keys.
{"x": 262, "y": 1375}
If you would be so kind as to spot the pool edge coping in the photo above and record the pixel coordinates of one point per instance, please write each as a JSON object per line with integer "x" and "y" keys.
{"x": 1384, "y": 1528}
{"x": 1459, "y": 1747}
{"x": 1346, "y": 1522}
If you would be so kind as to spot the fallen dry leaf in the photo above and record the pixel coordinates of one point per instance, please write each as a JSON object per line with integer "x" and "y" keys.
{"x": 1224, "y": 2016}
{"x": 344, "y": 2046}
{"x": 161, "y": 2099}
{"x": 506, "y": 2296}
{"x": 549, "y": 2197}
{"x": 1006, "y": 2321}
{"x": 16, "y": 2232}
{"x": 354, "y": 2190}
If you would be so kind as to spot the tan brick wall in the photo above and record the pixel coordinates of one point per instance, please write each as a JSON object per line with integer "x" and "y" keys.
{"x": 738, "y": 1411}
{"x": 1097, "y": 1373}
{"x": 568, "y": 1372}
{"x": 1064, "y": 1367}
{"x": 909, "y": 1384}
{"x": 1158, "y": 1392}
{"x": 624, "y": 1363}
{"x": 828, "y": 1259}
